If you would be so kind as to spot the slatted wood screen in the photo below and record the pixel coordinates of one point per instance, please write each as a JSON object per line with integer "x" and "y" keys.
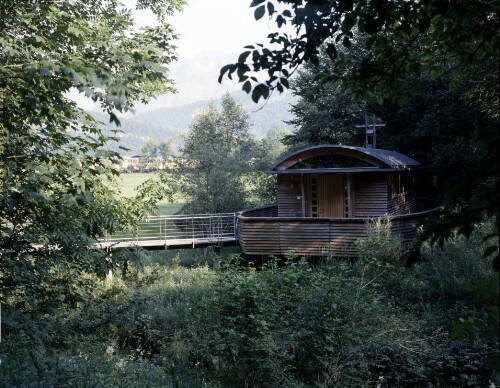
{"x": 369, "y": 195}
{"x": 289, "y": 196}
{"x": 401, "y": 196}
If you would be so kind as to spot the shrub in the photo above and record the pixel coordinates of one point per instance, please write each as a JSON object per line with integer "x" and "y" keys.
{"x": 450, "y": 272}
{"x": 295, "y": 324}
{"x": 381, "y": 252}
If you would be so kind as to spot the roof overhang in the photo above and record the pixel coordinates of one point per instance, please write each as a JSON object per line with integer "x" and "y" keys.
{"x": 381, "y": 160}
{"x": 341, "y": 170}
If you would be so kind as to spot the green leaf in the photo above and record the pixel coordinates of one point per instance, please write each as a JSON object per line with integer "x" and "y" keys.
{"x": 226, "y": 69}
{"x": 436, "y": 19}
{"x": 255, "y": 3}
{"x": 247, "y": 87}
{"x": 259, "y": 12}
{"x": 243, "y": 56}
{"x": 480, "y": 53}
{"x": 265, "y": 92}
{"x": 270, "y": 8}
{"x": 256, "y": 94}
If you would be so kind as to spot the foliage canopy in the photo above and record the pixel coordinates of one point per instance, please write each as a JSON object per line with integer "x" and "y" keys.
{"x": 402, "y": 37}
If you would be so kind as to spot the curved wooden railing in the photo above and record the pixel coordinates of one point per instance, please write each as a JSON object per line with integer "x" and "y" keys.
{"x": 261, "y": 232}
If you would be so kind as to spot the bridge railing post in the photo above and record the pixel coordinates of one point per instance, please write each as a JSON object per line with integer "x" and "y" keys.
{"x": 192, "y": 229}
{"x": 235, "y": 225}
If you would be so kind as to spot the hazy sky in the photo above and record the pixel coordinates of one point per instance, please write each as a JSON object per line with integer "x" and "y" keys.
{"x": 213, "y": 25}
{"x": 202, "y": 26}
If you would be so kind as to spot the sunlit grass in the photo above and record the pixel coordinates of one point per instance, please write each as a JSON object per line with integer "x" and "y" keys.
{"x": 129, "y": 183}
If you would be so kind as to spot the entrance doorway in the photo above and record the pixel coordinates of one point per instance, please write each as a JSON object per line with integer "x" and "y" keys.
{"x": 327, "y": 196}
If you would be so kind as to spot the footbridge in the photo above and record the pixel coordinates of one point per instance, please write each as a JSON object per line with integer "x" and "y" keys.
{"x": 163, "y": 232}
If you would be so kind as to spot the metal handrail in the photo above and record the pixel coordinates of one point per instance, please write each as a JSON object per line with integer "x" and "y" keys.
{"x": 178, "y": 227}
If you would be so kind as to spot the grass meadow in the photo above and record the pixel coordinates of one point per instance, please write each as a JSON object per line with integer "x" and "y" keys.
{"x": 130, "y": 181}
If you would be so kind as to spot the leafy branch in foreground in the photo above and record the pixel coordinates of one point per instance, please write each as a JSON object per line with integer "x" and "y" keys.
{"x": 401, "y": 38}
{"x": 54, "y": 157}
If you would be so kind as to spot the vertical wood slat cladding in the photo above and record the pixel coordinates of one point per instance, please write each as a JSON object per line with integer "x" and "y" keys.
{"x": 369, "y": 197}
{"x": 403, "y": 203}
{"x": 289, "y": 196}
{"x": 316, "y": 236}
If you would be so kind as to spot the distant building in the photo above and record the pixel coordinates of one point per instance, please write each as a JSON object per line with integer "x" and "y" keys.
{"x": 131, "y": 163}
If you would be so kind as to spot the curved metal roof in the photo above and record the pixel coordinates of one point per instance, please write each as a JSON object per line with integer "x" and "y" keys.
{"x": 381, "y": 160}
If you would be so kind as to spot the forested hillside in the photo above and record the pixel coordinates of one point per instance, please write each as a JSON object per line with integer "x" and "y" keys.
{"x": 161, "y": 124}
{"x": 169, "y": 115}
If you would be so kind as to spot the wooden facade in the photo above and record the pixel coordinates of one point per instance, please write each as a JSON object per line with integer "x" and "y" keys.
{"x": 325, "y": 196}
{"x": 346, "y": 195}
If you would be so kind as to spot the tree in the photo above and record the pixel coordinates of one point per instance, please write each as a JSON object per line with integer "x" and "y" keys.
{"x": 268, "y": 151}
{"x": 149, "y": 151}
{"x": 402, "y": 39}
{"x": 165, "y": 150}
{"x": 216, "y": 155}
{"x": 325, "y": 113}
{"x": 157, "y": 155}
{"x": 438, "y": 128}
{"x": 54, "y": 196}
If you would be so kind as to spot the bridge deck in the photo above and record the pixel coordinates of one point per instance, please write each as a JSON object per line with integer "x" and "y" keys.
{"x": 171, "y": 243}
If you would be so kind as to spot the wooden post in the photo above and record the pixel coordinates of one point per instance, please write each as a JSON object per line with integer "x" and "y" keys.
{"x": 366, "y": 131}
{"x": 302, "y": 195}
{"x": 349, "y": 210}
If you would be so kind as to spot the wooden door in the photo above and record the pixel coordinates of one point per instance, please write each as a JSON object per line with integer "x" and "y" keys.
{"x": 331, "y": 196}
{"x": 327, "y": 196}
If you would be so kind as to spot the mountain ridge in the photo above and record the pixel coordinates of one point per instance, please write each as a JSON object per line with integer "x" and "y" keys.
{"x": 173, "y": 122}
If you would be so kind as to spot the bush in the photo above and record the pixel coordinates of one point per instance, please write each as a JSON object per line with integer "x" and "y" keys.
{"x": 450, "y": 272}
{"x": 381, "y": 253}
{"x": 296, "y": 325}
{"x": 89, "y": 362}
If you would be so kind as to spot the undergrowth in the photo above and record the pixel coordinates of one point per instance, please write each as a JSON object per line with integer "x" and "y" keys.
{"x": 208, "y": 320}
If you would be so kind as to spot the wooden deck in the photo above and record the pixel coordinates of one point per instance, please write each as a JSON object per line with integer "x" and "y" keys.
{"x": 262, "y": 232}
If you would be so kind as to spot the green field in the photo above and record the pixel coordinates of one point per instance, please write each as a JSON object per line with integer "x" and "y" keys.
{"x": 130, "y": 181}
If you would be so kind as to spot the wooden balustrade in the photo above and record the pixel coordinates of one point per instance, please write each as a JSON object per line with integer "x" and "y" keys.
{"x": 262, "y": 232}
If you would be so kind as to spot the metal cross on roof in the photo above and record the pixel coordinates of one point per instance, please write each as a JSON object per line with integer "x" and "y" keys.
{"x": 370, "y": 132}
